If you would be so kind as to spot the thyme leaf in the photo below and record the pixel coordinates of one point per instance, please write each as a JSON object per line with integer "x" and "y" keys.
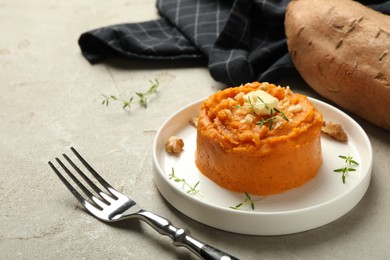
{"x": 275, "y": 113}
{"x": 190, "y": 189}
{"x": 262, "y": 101}
{"x": 273, "y": 117}
{"x": 271, "y": 120}
{"x": 248, "y": 200}
{"x": 126, "y": 103}
{"x": 348, "y": 167}
{"x": 143, "y": 97}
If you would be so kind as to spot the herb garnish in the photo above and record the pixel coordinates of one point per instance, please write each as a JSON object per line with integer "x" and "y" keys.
{"x": 252, "y": 106}
{"x": 248, "y": 200}
{"x": 275, "y": 113}
{"x": 349, "y": 163}
{"x": 126, "y": 103}
{"x": 265, "y": 104}
{"x": 191, "y": 189}
{"x": 143, "y": 97}
{"x": 272, "y": 119}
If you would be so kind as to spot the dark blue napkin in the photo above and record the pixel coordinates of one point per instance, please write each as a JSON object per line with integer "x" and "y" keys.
{"x": 242, "y": 40}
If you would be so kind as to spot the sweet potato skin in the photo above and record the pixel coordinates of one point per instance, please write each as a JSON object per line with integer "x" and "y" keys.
{"x": 342, "y": 50}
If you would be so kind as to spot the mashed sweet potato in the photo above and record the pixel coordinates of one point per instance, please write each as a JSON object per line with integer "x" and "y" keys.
{"x": 256, "y": 142}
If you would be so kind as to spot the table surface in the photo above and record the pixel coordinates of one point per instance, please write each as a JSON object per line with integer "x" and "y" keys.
{"x": 51, "y": 99}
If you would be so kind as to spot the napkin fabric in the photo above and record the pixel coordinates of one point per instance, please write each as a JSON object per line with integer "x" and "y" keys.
{"x": 242, "y": 40}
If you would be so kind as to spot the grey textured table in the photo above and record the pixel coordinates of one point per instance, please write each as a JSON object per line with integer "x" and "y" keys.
{"x": 51, "y": 99}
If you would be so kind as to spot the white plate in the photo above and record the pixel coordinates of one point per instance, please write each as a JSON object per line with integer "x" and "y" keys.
{"x": 320, "y": 201}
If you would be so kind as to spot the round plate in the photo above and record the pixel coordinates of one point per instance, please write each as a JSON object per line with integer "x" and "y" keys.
{"x": 318, "y": 202}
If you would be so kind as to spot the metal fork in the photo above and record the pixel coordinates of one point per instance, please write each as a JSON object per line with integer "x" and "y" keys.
{"x": 111, "y": 206}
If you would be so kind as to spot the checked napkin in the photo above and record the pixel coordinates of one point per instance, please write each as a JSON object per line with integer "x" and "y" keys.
{"x": 242, "y": 40}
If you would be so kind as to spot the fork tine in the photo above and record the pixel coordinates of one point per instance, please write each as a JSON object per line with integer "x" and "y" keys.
{"x": 95, "y": 210}
{"x": 103, "y": 182}
{"x": 97, "y": 201}
{"x": 75, "y": 193}
{"x": 103, "y": 195}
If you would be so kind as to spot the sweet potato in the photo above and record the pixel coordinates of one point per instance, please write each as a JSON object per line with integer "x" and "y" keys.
{"x": 341, "y": 48}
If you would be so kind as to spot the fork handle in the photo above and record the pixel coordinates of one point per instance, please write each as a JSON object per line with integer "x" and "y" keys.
{"x": 182, "y": 237}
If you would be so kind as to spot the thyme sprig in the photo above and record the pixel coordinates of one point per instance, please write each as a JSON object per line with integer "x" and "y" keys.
{"x": 143, "y": 97}
{"x": 248, "y": 200}
{"x": 275, "y": 113}
{"x": 273, "y": 117}
{"x": 271, "y": 120}
{"x": 126, "y": 103}
{"x": 251, "y": 105}
{"x": 262, "y": 101}
{"x": 349, "y": 164}
{"x": 191, "y": 189}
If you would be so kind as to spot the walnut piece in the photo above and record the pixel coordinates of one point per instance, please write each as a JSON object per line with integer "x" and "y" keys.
{"x": 335, "y": 131}
{"x": 174, "y": 145}
{"x": 194, "y": 121}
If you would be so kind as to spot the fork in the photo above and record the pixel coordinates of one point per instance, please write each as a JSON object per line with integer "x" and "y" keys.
{"x": 111, "y": 206}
